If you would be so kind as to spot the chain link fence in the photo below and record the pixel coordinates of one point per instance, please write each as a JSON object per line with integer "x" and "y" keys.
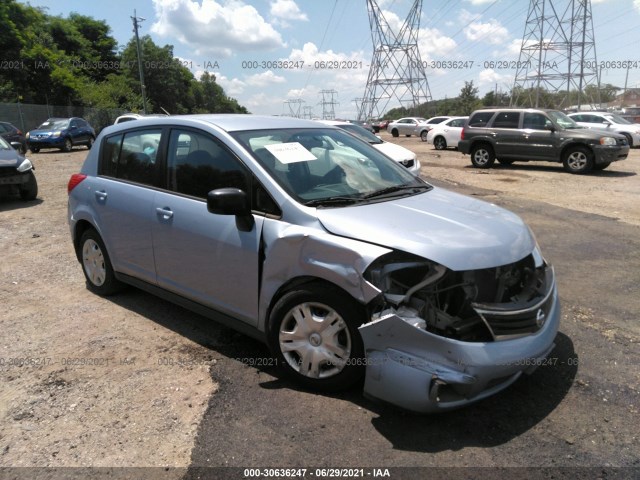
{"x": 27, "y": 116}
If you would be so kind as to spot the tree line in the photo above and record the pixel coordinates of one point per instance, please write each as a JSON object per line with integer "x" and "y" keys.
{"x": 76, "y": 61}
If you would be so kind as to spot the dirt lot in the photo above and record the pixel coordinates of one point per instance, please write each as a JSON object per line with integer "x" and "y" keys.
{"x": 88, "y": 381}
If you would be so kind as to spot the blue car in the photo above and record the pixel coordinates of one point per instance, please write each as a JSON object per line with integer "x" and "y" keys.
{"x": 62, "y": 133}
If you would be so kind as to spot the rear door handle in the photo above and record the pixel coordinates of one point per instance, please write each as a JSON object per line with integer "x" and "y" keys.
{"x": 101, "y": 195}
{"x": 165, "y": 212}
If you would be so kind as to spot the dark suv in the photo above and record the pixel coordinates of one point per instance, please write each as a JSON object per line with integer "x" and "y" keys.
{"x": 510, "y": 135}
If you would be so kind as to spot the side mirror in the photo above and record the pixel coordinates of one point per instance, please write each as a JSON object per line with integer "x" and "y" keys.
{"x": 228, "y": 201}
{"x": 16, "y": 145}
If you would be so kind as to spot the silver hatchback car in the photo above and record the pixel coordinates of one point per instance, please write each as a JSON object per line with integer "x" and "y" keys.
{"x": 307, "y": 238}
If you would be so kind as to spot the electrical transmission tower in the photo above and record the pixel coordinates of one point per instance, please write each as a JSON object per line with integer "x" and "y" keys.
{"x": 308, "y": 112}
{"x": 557, "y": 60}
{"x": 295, "y": 106}
{"x": 396, "y": 71}
{"x": 328, "y": 104}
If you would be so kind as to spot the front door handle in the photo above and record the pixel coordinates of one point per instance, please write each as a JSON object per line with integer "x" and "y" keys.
{"x": 165, "y": 212}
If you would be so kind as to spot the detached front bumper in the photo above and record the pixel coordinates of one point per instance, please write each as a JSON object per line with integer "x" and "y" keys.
{"x": 423, "y": 372}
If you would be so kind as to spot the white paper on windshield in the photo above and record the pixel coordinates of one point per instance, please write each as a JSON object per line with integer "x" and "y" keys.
{"x": 290, "y": 152}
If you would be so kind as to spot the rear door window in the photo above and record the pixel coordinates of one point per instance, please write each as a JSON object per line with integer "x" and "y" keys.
{"x": 507, "y": 120}
{"x": 132, "y": 156}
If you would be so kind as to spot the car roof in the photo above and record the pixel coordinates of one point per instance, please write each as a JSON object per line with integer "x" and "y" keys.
{"x": 336, "y": 122}
{"x": 231, "y": 122}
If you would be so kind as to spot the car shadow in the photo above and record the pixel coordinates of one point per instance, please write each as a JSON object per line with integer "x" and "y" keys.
{"x": 14, "y": 202}
{"x": 555, "y": 167}
{"x": 491, "y": 422}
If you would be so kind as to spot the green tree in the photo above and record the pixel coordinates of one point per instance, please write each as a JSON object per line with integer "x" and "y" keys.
{"x": 468, "y": 100}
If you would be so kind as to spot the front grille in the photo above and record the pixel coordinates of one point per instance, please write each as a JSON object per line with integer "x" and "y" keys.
{"x": 8, "y": 171}
{"x": 505, "y": 321}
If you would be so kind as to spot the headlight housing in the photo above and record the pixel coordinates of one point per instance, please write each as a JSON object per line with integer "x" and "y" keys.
{"x": 25, "y": 166}
{"x": 607, "y": 141}
{"x": 56, "y": 134}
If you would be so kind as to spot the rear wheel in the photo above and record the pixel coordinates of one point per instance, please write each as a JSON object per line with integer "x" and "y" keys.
{"x": 314, "y": 334}
{"x": 482, "y": 156}
{"x": 423, "y": 135}
{"x": 578, "y": 160}
{"x": 29, "y": 190}
{"x": 96, "y": 264}
{"x": 440, "y": 143}
{"x": 90, "y": 143}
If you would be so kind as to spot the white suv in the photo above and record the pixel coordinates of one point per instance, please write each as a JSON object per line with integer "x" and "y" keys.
{"x": 611, "y": 122}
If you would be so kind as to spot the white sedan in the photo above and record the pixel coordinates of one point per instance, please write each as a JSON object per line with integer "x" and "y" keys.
{"x": 447, "y": 133}
{"x": 398, "y": 153}
{"x": 609, "y": 121}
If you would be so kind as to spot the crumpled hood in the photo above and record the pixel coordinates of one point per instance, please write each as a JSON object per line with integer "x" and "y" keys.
{"x": 457, "y": 231}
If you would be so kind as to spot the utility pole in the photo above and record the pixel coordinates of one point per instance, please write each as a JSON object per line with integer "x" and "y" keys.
{"x": 136, "y": 20}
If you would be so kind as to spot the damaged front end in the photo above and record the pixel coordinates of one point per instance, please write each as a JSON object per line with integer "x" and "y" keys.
{"x": 440, "y": 339}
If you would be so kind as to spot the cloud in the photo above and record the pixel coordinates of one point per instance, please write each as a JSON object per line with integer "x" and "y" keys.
{"x": 490, "y": 76}
{"x": 287, "y": 10}
{"x": 232, "y": 86}
{"x": 264, "y": 79}
{"x": 636, "y": 5}
{"x": 490, "y": 32}
{"x": 210, "y": 28}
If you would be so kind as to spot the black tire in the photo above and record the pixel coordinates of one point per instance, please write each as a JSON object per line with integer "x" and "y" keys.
{"x": 505, "y": 161}
{"x": 96, "y": 264}
{"x": 67, "y": 145}
{"x": 34, "y": 149}
{"x": 440, "y": 143}
{"x": 407, "y": 135}
{"x": 313, "y": 332}
{"x": 629, "y": 139}
{"x": 578, "y": 160}
{"x": 394, "y": 133}
{"x": 601, "y": 166}
{"x": 423, "y": 135}
{"x": 90, "y": 143}
{"x": 29, "y": 190}
{"x": 482, "y": 155}
{"x": 23, "y": 149}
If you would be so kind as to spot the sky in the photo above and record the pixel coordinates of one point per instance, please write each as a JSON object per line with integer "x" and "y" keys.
{"x": 246, "y": 44}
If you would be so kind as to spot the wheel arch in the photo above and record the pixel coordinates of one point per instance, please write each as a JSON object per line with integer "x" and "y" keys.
{"x": 574, "y": 144}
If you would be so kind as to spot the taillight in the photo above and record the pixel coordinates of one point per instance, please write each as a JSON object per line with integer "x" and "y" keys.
{"x": 74, "y": 181}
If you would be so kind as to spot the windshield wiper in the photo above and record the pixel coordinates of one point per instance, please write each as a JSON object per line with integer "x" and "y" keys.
{"x": 334, "y": 201}
{"x": 396, "y": 188}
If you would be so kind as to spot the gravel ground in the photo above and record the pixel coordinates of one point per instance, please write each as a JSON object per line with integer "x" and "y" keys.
{"x": 88, "y": 381}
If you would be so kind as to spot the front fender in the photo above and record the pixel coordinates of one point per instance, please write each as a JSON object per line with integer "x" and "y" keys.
{"x": 292, "y": 251}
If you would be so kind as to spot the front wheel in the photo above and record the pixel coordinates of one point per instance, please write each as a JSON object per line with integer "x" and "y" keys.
{"x": 29, "y": 190}
{"x": 578, "y": 160}
{"x": 629, "y": 139}
{"x": 314, "y": 334}
{"x": 90, "y": 143}
{"x": 96, "y": 264}
{"x": 34, "y": 149}
{"x": 67, "y": 145}
{"x": 440, "y": 143}
{"x": 482, "y": 156}
{"x": 394, "y": 132}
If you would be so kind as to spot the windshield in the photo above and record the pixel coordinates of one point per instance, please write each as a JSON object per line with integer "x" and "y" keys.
{"x": 615, "y": 118}
{"x": 54, "y": 125}
{"x": 562, "y": 120}
{"x": 361, "y": 133}
{"x": 330, "y": 166}
{"x": 4, "y": 145}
